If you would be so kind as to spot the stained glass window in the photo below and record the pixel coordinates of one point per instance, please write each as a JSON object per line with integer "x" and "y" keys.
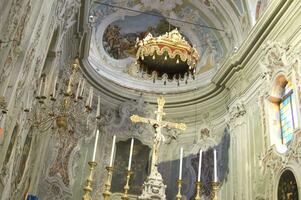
{"x": 287, "y": 114}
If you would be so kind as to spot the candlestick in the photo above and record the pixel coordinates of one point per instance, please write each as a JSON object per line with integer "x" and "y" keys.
{"x": 179, "y": 184}
{"x": 95, "y": 145}
{"x": 215, "y": 188}
{"x": 198, "y": 185}
{"x": 107, "y": 193}
{"x": 200, "y": 166}
{"x": 88, "y": 187}
{"x": 98, "y": 108}
{"x": 215, "y": 166}
{"x": 181, "y": 163}
{"x": 126, "y": 188}
{"x": 112, "y": 151}
{"x": 131, "y": 154}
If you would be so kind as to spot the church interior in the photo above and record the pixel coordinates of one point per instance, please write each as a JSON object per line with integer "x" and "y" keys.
{"x": 150, "y": 99}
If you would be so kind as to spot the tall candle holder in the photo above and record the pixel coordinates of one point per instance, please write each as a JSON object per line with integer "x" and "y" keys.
{"x": 126, "y": 188}
{"x": 198, "y": 185}
{"x": 179, "y": 195}
{"x": 107, "y": 193}
{"x": 88, "y": 187}
{"x": 215, "y": 188}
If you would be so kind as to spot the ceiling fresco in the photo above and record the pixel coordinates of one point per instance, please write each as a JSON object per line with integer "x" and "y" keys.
{"x": 120, "y": 37}
{"x": 212, "y": 27}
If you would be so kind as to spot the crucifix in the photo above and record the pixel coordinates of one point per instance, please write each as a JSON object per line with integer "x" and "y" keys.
{"x": 158, "y": 124}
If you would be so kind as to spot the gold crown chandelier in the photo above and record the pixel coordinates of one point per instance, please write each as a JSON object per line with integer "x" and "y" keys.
{"x": 167, "y": 57}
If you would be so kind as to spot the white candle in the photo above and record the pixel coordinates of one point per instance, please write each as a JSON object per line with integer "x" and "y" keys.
{"x": 27, "y": 102}
{"x": 181, "y": 163}
{"x": 40, "y": 88}
{"x": 45, "y": 87}
{"x": 91, "y": 98}
{"x": 82, "y": 90}
{"x": 200, "y": 166}
{"x": 54, "y": 87}
{"x": 131, "y": 154}
{"x": 78, "y": 89}
{"x": 69, "y": 85}
{"x": 98, "y": 107}
{"x": 95, "y": 146}
{"x": 215, "y": 166}
{"x": 112, "y": 151}
{"x": 88, "y": 99}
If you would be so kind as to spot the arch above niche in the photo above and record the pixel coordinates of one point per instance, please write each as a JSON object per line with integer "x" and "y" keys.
{"x": 279, "y": 65}
{"x": 287, "y": 185}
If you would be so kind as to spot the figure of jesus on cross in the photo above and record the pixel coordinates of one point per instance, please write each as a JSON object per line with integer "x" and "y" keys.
{"x": 158, "y": 124}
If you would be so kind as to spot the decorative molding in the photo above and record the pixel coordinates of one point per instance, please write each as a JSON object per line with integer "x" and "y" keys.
{"x": 236, "y": 113}
{"x": 276, "y": 58}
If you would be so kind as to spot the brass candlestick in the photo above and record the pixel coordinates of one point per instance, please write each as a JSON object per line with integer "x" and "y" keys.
{"x": 179, "y": 195}
{"x": 88, "y": 187}
{"x": 107, "y": 193}
{"x": 198, "y": 190}
{"x": 215, "y": 188}
{"x": 126, "y": 188}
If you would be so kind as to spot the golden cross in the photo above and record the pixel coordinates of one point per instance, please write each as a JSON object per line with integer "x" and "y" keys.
{"x": 158, "y": 124}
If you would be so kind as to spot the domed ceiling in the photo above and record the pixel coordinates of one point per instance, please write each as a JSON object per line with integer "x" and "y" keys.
{"x": 213, "y": 27}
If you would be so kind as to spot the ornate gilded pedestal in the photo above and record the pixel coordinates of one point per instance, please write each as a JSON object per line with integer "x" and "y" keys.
{"x": 179, "y": 195}
{"x": 215, "y": 188}
{"x": 88, "y": 187}
{"x": 198, "y": 190}
{"x": 127, "y": 185}
{"x": 107, "y": 193}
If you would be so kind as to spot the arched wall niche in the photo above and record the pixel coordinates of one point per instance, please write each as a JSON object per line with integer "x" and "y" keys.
{"x": 140, "y": 164}
{"x": 277, "y": 89}
{"x": 274, "y": 99}
{"x": 294, "y": 168}
{"x": 280, "y": 67}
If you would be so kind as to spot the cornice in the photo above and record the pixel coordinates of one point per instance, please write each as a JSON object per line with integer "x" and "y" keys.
{"x": 252, "y": 43}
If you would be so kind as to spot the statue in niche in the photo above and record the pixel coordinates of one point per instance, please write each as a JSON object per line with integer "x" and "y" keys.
{"x": 140, "y": 166}
{"x": 208, "y": 163}
{"x": 66, "y": 145}
{"x": 9, "y": 152}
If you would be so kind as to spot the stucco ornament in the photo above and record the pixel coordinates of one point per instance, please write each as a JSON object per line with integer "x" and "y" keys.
{"x": 276, "y": 57}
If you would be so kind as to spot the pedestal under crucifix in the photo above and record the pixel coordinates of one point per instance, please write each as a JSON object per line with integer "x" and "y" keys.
{"x": 153, "y": 187}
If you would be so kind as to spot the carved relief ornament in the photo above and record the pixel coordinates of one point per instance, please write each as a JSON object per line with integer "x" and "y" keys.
{"x": 278, "y": 57}
{"x": 236, "y": 112}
